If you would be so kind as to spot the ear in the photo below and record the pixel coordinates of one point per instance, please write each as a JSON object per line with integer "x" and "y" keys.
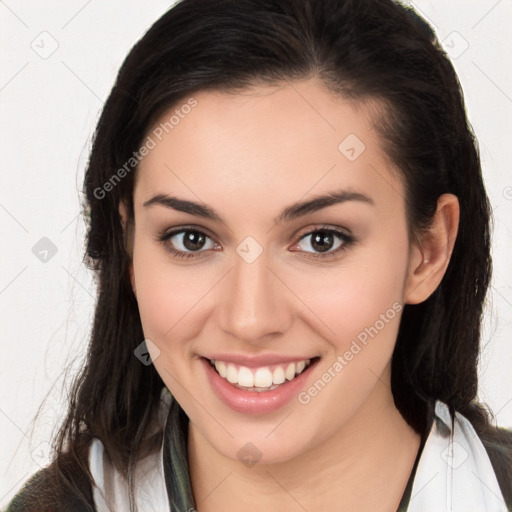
{"x": 431, "y": 254}
{"x": 128, "y": 242}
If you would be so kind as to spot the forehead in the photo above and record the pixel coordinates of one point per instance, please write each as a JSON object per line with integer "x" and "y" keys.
{"x": 277, "y": 143}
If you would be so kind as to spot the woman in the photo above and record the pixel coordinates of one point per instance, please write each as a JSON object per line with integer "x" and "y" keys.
{"x": 291, "y": 238}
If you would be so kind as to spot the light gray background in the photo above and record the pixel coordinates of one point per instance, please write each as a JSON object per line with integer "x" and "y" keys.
{"x": 59, "y": 62}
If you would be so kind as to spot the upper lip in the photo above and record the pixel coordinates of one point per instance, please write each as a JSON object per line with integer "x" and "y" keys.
{"x": 257, "y": 360}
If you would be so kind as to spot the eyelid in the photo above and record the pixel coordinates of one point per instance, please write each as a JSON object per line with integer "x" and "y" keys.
{"x": 167, "y": 233}
{"x": 342, "y": 233}
{"x": 326, "y": 227}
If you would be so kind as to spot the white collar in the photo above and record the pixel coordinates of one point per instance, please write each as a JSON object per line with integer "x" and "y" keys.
{"x": 111, "y": 491}
{"x": 454, "y": 473}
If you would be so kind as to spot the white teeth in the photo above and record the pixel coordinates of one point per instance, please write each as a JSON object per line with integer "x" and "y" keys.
{"x": 221, "y": 368}
{"x": 232, "y": 374}
{"x": 278, "y": 375}
{"x": 262, "y": 379}
{"x": 290, "y": 371}
{"x": 245, "y": 377}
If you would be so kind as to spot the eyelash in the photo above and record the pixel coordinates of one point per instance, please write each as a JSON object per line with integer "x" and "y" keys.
{"x": 347, "y": 241}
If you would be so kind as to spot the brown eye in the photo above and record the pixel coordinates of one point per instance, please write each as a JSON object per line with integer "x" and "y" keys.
{"x": 184, "y": 243}
{"x": 324, "y": 242}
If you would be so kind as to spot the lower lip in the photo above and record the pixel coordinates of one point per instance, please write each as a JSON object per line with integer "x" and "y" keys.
{"x": 255, "y": 402}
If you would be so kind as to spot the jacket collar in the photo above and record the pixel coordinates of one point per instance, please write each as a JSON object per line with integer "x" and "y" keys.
{"x": 453, "y": 474}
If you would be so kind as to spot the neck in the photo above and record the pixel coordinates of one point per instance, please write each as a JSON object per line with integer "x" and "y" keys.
{"x": 364, "y": 466}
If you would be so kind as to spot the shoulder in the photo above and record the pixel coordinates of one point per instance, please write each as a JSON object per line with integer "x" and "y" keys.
{"x": 498, "y": 444}
{"x": 60, "y": 487}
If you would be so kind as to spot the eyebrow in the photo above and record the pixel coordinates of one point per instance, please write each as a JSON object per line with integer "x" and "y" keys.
{"x": 290, "y": 213}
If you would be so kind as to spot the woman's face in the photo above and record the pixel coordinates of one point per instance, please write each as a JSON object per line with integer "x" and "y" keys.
{"x": 257, "y": 283}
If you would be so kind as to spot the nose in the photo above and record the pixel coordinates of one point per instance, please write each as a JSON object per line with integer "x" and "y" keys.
{"x": 255, "y": 303}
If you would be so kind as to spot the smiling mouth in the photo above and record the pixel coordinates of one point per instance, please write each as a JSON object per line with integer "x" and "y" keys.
{"x": 264, "y": 378}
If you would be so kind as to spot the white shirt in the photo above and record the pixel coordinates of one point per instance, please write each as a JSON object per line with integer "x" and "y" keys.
{"x": 454, "y": 472}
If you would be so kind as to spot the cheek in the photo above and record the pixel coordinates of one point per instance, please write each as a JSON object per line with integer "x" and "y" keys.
{"x": 342, "y": 301}
{"x": 167, "y": 294}
{"x": 362, "y": 294}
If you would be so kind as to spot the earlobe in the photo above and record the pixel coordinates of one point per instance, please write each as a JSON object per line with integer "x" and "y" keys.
{"x": 431, "y": 255}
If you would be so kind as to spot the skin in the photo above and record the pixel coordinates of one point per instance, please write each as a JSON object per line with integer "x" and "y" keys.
{"x": 249, "y": 155}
